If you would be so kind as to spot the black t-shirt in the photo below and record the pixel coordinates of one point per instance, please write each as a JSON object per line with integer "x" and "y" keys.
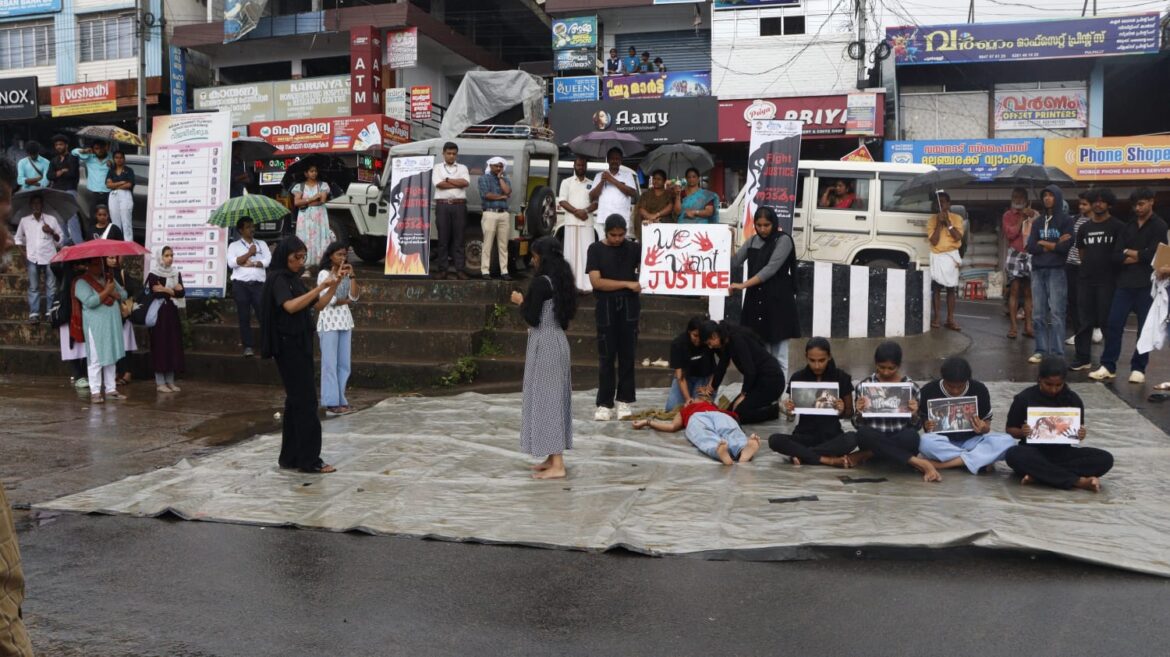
{"x": 127, "y": 175}
{"x": 1095, "y": 243}
{"x": 285, "y": 288}
{"x": 976, "y": 389}
{"x": 822, "y": 424}
{"x": 695, "y": 361}
{"x": 617, "y": 263}
{"x": 1033, "y": 398}
{"x": 1144, "y": 239}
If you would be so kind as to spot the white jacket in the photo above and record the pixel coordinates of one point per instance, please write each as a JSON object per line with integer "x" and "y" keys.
{"x": 1153, "y": 335}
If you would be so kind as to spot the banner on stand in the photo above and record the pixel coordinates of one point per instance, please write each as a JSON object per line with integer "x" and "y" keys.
{"x": 408, "y": 233}
{"x": 773, "y": 160}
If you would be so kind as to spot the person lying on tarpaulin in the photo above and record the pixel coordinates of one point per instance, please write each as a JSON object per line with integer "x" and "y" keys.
{"x": 714, "y": 432}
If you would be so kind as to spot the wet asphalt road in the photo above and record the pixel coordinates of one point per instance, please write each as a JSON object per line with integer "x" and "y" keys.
{"x": 139, "y": 587}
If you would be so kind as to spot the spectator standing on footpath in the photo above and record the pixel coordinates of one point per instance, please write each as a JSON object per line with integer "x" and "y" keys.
{"x": 99, "y": 322}
{"x": 693, "y": 204}
{"x": 310, "y": 195}
{"x": 1134, "y": 253}
{"x": 97, "y": 161}
{"x": 335, "y": 328}
{"x": 33, "y": 170}
{"x": 41, "y": 236}
{"x": 655, "y": 205}
{"x": 248, "y": 258}
{"x": 120, "y": 182}
{"x": 118, "y": 273}
{"x": 613, "y": 189}
{"x": 494, "y": 191}
{"x": 1072, "y": 267}
{"x": 103, "y": 228}
{"x": 1017, "y": 223}
{"x": 64, "y": 174}
{"x": 71, "y": 342}
{"x": 579, "y": 231}
{"x": 451, "y": 180}
{"x": 1048, "y": 242}
{"x": 945, "y": 233}
{"x": 166, "y": 336}
{"x": 1095, "y": 241}
{"x": 613, "y": 271}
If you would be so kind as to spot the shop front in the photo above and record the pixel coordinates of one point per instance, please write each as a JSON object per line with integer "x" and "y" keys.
{"x": 654, "y": 122}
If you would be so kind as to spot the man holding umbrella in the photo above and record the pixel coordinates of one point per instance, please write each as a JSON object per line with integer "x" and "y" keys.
{"x": 40, "y": 234}
{"x": 613, "y": 189}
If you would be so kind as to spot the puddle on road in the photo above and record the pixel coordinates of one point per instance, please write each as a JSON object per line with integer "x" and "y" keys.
{"x": 231, "y": 428}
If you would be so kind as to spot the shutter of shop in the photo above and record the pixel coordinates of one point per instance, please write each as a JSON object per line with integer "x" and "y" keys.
{"x": 680, "y": 50}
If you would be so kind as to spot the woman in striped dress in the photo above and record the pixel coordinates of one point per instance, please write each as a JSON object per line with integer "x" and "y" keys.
{"x": 547, "y": 413}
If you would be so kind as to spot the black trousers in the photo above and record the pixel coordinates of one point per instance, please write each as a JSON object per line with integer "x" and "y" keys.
{"x": 247, "y": 296}
{"x": 1093, "y": 301}
{"x": 1058, "y": 466}
{"x": 450, "y": 220}
{"x": 810, "y": 447}
{"x": 300, "y": 440}
{"x": 762, "y": 402}
{"x": 79, "y": 369}
{"x": 1072, "y": 316}
{"x": 617, "y": 339}
{"x": 895, "y": 447}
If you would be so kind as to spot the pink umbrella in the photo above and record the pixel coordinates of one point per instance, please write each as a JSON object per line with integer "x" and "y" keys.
{"x": 99, "y": 249}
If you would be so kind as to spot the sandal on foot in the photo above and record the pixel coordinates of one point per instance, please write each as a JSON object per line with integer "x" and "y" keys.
{"x": 97, "y": 399}
{"x": 321, "y": 468}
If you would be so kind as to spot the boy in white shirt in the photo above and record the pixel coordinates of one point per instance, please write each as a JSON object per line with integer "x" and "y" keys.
{"x": 41, "y": 236}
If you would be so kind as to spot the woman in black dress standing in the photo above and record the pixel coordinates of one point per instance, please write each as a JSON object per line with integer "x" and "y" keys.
{"x": 763, "y": 380}
{"x": 769, "y": 304}
{"x": 286, "y": 330}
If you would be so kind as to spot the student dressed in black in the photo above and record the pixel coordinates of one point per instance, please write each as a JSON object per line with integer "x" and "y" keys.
{"x": 693, "y": 365}
{"x": 286, "y": 330}
{"x": 1097, "y": 275}
{"x": 818, "y": 439}
{"x": 1059, "y": 466}
{"x": 613, "y": 271}
{"x": 769, "y": 302}
{"x": 763, "y": 380}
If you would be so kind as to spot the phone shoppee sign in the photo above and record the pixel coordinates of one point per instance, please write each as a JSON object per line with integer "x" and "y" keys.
{"x": 824, "y": 117}
{"x": 1111, "y": 158}
{"x": 350, "y": 134}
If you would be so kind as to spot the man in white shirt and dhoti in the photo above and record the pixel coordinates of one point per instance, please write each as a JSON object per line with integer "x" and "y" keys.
{"x": 579, "y": 229}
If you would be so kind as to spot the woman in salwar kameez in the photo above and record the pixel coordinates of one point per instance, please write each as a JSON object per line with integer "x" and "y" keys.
{"x": 98, "y": 317}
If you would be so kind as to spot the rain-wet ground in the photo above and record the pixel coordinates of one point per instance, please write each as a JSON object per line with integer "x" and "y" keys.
{"x": 123, "y": 586}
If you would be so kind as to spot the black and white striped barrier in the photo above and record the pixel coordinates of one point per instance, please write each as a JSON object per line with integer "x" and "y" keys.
{"x": 847, "y": 301}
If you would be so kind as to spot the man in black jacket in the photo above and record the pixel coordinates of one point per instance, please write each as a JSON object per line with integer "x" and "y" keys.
{"x": 1133, "y": 252}
{"x": 1097, "y": 273}
{"x": 1049, "y": 241}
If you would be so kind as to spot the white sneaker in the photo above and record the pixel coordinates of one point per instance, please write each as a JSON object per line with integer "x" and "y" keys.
{"x": 1035, "y": 358}
{"x": 1102, "y": 374}
{"x": 1137, "y": 377}
{"x": 81, "y": 384}
{"x": 603, "y": 414}
{"x": 1097, "y": 336}
{"x": 1072, "y": 339}
{"x": 623, "y": 410}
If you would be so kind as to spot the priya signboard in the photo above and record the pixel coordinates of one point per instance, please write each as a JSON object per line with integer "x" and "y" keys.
{"x": 824, "y": 117}
{"x": 579, "y": 32}
{"x": 1043, "y": 109}
{"x": 87, "y": 98}
{"x": 1099, "y": 36}
{"x": 1111, "y": 158}
{"x": 982, "y": 158}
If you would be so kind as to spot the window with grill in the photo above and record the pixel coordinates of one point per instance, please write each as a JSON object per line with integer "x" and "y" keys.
{"x": 107, "y": 36}
{"x": 781, "y": 25}
{"x": 24, "y": 45}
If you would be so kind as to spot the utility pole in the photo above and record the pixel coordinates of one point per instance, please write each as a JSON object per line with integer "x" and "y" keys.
{"x": 141, "y": 5}
{"x": 971, "y": 12}
{"x": 861, "y": 77}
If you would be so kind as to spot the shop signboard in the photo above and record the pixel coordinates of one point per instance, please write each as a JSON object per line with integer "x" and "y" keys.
{"x": 1041, "y": 109}
{"x": 1145, "y": 157}
{"x": 178, "y": 58}
{"x": 575, "y": 59}
{"x": 86, "y": 98}
{"x": 18, "y": 99}
{"x": 983, "y": 158}
{"x": 861, "y": 114}
{"x": 190, "y": 163}
{"x": 365, "y": 69}
{"x": 11, "y": 8}
{"x": 272, "y": 170}
{"x": 408, "y": 247}
{"x": 575, "y": 90}
{"x": 420, "y": 103}
{"x": 310, "y": 98}
{"x": 675, "y": 84}
{"x": 754, "y": 4}
{"x": 344, "y": 134}
{"x": 665, "y": 121}
{"x": 402, "y": 48}
{"x": 396, "y": 103}
{"x": 246, "y": 102}
{"x": 578, "y": 32}
{"x": 773, "y": 161}
{"x": 824, "y": 117}
{"x": 1098, "y": 36}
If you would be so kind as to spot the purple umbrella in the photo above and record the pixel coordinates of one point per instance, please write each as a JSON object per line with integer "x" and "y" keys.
{"x": 597, "y": 144}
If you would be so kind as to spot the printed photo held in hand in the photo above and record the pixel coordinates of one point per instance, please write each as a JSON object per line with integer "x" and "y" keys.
{"x": 887, "y": 399}
{"x": 952, "y": 414}
{"x": 1054, "y": 426}
{"x": 815, "y": 397}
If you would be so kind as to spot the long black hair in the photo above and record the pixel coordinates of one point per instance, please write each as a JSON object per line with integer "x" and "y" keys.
{"x": 554, "y": 265}
{"x": 822, "y": 344}
{"x": 327, "y": 255}
{"x": 285, "y": 248}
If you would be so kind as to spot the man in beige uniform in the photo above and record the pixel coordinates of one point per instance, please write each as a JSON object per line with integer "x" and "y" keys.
{"x": 13, "y": 637}
{"x": 579, "y": 231}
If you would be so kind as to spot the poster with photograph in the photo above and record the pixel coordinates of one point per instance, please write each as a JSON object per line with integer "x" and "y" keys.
{"x": 887, "y": 399}
{"x": 952, "y": 414}
{"x": 815, "y": 397}
{"x": 1054, "y": 426}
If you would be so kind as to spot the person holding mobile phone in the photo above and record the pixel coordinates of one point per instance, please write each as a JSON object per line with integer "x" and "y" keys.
{"x": 335, "y": 328}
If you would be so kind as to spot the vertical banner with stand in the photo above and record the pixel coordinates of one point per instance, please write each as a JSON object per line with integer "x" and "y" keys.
{"x": 408, "y": 234}
{"x": 190, "y": 162}
{"x": 773, "y": 161}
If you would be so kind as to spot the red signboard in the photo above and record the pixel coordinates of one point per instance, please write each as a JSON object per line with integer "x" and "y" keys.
{"x": 87, "y": 98}
{"x": 348, "y": 134}
{"x": 365, "y": 70}
{"x": 824, "y": 117}
{"x": 420, "y": 103}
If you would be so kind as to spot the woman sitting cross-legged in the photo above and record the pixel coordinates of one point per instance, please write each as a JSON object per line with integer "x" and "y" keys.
{"x": 818, "y": 439}
{"x": 716, "y": 433}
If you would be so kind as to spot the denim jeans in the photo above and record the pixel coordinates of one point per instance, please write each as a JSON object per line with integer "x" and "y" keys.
{"x": 705, "y": 430}
{"x": 34, "y": 288}
{"x": 1126, "y": 300}
{"x": 335, "y": 352}
{"x": 977, "y": 452}
{"x": 675, "y": 398}
{"x": 1049, "y": 303}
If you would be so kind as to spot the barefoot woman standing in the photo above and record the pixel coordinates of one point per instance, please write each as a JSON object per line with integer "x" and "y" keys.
{"x": 547, "y": 414}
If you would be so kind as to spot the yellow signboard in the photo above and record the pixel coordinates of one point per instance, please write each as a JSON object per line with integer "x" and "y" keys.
{"x": 1145, "y": 157}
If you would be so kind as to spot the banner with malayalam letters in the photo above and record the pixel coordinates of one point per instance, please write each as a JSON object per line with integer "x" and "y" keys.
{"x": 982, "y": 158}
{"x": 1099, "y": 36}
{"x": 1041, "y": 108}
{"x": 686, "y": 259}
{"x": 773, "y": 159}
{"x": 578, "y": 32}
{"x": 675, "y": 84}
{"x": 408, "y": 233}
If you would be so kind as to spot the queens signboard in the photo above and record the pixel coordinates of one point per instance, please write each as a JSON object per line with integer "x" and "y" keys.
{"x": 1132, "y": 34}
{"x": 575, "y": 90}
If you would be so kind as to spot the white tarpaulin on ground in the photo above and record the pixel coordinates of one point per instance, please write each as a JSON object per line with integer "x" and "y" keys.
{"x": 449, "y": 468}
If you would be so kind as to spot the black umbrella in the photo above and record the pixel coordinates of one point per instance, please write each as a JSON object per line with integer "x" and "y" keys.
{"x": 297, "y": 170}
{"x": 933, "y": 181}
{"x": 1033, "y": 175}
{"x": 675, "y": 159}
{"x": 252, "y": 148}
{"x": 60, "y": 204}
{"x": 597, "y": 144}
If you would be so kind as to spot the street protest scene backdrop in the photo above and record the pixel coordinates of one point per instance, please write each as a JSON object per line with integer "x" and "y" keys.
{"x": 408, "y": 241}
